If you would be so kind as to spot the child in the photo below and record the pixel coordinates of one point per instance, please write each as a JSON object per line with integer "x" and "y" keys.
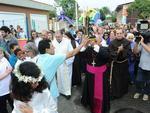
{"x": 29, "y": 88}
{"x": 131, "y": 59}
{"x": 20, "y": 56}
{"x": 5, "y": 70}
{"x": 13, "y": 57}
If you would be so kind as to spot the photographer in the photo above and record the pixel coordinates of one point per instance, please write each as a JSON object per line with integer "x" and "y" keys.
{"x": 143, "y": 76}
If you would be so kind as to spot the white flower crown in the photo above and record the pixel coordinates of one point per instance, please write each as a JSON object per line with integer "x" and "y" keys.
{"x": 25, "y": 78}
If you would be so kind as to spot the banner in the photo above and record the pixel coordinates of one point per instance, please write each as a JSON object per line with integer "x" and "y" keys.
{"x": 22, "y": 43}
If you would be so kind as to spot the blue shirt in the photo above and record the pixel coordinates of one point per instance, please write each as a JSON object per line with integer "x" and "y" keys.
{"x": 12, "y": 60}
{"x": 3, "y": 44}
{"x": 49, "y": 64}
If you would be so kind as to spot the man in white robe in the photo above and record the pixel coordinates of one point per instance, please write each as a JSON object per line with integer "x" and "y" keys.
{"x": 64, "y": 72}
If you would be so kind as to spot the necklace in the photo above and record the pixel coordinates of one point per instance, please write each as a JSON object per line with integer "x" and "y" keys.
{"x": 93, "y": 63}
{"x": 94, "y": 55}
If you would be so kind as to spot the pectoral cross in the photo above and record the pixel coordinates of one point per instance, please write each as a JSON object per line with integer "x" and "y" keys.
{"x": 93, "y": 63}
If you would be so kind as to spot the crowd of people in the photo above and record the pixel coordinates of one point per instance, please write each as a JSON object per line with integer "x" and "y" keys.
{"x": 51, "y": 63}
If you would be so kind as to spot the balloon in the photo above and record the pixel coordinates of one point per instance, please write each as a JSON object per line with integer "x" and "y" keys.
{"x": 93, "y": 15}
{"x": 63, "y": 17}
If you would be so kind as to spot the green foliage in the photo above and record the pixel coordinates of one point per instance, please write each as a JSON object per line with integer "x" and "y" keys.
{"x": 103, "y": 17}
{"x": 106, "y": 10}
{"x": 68, "y": 7}
{"x": 141, "y": 7}
{"x": 52, "y": 14}
{"x": 113, "y": 16}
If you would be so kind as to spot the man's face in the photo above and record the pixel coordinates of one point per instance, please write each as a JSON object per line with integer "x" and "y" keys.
{"x": 79, "y": 34}
{"x": 50, "y": 36}
{"x": 119, "y": 34}
{"x": 58, "y": 37}
{"x": 51, "y": 50}
{"x": 100, "y": 30}
{"x": 44, "y": 35}
{"x": 4, "y": 34}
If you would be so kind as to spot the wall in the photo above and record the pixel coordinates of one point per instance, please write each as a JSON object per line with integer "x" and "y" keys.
{"x": 26, "y": 11}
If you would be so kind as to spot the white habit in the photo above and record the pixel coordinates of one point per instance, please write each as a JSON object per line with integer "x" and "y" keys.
{"x": 64, "y": 72}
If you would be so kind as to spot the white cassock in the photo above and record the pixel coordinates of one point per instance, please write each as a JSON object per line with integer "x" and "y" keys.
{"x": 64, "y": 72}
{"x": 40, "y": 103}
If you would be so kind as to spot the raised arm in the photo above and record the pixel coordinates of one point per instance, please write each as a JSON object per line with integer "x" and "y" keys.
{"x": 145, "y": 46}
{"x": 76, "y": 50}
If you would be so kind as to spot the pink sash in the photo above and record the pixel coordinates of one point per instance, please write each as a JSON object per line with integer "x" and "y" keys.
{"x": 98, "y": 86}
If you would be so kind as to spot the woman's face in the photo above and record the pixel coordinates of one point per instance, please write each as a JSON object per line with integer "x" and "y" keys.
{"x": 34, "y": 35}
{"x": 112, "y": 35}
{"x": 29, "y": 53}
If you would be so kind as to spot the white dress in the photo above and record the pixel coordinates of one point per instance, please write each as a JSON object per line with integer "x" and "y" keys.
{"x": 40, "y": 103}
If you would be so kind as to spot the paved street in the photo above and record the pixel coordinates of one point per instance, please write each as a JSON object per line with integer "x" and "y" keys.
{"x": 73, "y": 105}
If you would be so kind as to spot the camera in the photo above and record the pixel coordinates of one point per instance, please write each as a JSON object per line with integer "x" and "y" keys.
{"x": 137, "y": 37}
{"x": 143, "y": 25}
{"x": 146, "y": 36}
{"x": 143, "y": 30}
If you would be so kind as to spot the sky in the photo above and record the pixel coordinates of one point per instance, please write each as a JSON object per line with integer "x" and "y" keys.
{"x": 84, "y": 4}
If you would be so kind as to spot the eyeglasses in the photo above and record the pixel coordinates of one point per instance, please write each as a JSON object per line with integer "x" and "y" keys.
{"x": 27, "y": 51}
{"x": 131, "y": 38}
{"x": 119, "y": 33}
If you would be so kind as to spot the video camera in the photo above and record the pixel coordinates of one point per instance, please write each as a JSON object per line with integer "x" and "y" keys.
{"x": 143, "y": 30}
{"x": 143, "y": 26}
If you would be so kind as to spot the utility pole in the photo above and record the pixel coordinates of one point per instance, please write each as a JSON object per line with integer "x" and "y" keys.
{"x": 76, "y": 6}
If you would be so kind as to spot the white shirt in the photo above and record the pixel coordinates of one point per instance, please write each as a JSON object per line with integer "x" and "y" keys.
{"x": 144, "y": 58}
{"x": 40, "y": 103}
{"x": 4, "y": 83}
{"x": 37, "y": 40}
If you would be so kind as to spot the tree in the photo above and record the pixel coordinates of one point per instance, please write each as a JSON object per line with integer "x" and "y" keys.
{"x": 68, "y": 7}
{"x": 141, "y": 7}
{"x": 52, "y": 14}
{"x": 103, "y": 16}
{"x": 113, "y": 16}
{"x": 106, "y": 10}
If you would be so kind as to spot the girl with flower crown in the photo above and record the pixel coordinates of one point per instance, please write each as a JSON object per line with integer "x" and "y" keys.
{"x": 5, "y": 78}
{"x": 30, "y": 90}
